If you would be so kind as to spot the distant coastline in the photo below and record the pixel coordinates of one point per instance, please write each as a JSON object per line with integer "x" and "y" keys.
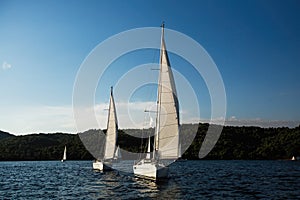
{"x": 235, "y": 143}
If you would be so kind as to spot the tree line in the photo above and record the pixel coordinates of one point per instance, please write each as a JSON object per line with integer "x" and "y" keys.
{"x": 234, "y": 143}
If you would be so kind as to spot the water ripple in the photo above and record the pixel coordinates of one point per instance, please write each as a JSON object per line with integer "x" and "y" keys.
{"x": 188, "y": 180}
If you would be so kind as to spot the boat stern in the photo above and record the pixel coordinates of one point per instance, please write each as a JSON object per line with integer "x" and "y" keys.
{"x": 98, "y": 165}
{"x": 150, "y": 170}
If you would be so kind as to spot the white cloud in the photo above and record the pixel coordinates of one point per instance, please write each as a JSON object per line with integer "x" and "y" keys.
{"x": 50, "y": 119}
{"x": 6, "y": 65}
{"x": 130, "y": 115}
{"x": 232, "y": 118}
{"x": 38, "y": 119}
{"x": 261, "y": 123}
{"x": 234, "y": 121}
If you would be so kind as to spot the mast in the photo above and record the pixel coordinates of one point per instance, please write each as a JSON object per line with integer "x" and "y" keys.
{"x": 158, "y": 93}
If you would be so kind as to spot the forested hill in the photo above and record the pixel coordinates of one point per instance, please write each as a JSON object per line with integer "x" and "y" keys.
{"x": 234, "y": 143}
{"x": 42, "y": 147}
{"x": 250, "y": 143}
{"x": 5, "y": 135}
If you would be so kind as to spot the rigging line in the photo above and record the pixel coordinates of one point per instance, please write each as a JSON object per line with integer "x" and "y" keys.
{"x": 154, "y": 60}
{"x": 142, "y": 137}
{"x": 150, "y": 96}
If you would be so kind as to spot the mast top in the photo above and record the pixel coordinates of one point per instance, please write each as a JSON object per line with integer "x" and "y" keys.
{"x": 111, "y": 89}
{"x": 162, "y": 32}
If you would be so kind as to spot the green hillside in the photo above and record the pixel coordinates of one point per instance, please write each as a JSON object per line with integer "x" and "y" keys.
{"x": 5, "y": 135}
{"x": 42, "y": 147}
{"x": 234, "y": 143}
{"x": 249, "y": 143}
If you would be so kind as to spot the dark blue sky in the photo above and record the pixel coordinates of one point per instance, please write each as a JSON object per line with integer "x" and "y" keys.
{"x": 255, "y": 45}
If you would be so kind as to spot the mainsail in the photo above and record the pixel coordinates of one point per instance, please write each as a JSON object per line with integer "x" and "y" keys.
{"x": 112, "y": 128}
{"x": 167, "y": 119}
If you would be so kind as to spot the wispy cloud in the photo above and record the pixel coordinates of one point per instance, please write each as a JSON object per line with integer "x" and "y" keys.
{"x": 262, "y": 123}
{"x": 49, "y": 119}
{"x": 234, "y": 121}
{"x": 130, "y": 115}
{"x": 6, "y": 65}
{"x": 37, "y": 119}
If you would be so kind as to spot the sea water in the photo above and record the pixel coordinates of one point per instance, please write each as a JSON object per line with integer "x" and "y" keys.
{"x": 188, "y": 180}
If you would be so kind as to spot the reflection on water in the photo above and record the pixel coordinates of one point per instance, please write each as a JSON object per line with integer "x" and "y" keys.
{"x": 121, "y": 184}
{"x": 167, "y": 189}
{"x": 190, "y": 179}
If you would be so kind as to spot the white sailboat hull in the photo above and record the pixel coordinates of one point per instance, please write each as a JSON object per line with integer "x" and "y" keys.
{"x": 98, "y": 165}
{"x": 150, "y": 170}
{"x": 102, "y": 166}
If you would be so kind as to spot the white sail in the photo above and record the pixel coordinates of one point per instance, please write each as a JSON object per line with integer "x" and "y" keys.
{"x": 65, "y": 154}
{"x": 167, "y": 119}
{"x": 112, "y": 129}
{"x": 149, "y": 149}
{"x": 118, "y": 153}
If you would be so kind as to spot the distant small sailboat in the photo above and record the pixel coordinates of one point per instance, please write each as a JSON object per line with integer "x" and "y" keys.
{"x": 65, "y": 155}
{"x": 166, "y": 138}
{"x": 293, "y": 158}
{"x": 118, "y": 154}
{"x": 111, "y": 153}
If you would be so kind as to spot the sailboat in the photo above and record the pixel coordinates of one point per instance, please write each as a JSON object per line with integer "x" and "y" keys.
{"x": 166, "y": 138}
{"x": 118, "y": 153}
{"x": 65, "y": 155}
{"x": 110, "y": 151}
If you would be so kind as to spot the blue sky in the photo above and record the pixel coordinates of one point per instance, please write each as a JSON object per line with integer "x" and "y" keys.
{"x": 255, "y": 45}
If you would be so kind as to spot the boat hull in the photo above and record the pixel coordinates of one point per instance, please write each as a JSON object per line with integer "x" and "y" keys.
{"x": 150, "y": 170}
{"x": 102, "y": 166}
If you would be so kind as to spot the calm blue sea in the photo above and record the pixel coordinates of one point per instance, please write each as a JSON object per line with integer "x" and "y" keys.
{"x": 188, "y": 180}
